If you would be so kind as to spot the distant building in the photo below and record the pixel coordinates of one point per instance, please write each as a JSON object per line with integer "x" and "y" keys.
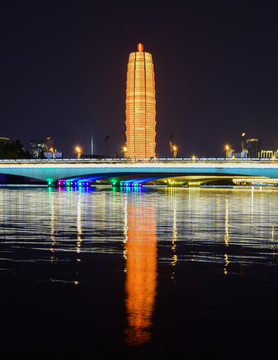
{"x": 37, "y": 148}
{"x": 253, "y": 146}
{"x": 43, "y": 148}
{"x": 266, "y": 154}
{"x": 250, "y": 148}
{"x": 243, "y": 143}
{"x": 237, "y": 155}
{"x": 269, "y": 154}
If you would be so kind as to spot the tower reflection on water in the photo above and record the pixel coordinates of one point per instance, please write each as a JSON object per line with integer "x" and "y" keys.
{"x": 140, "y": 250}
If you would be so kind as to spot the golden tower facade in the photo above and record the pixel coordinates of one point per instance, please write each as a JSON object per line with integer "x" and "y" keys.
{"x": 140, "y": 106}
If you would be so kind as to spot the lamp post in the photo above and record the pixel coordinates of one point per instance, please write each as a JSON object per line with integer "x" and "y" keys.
{"x": 78, "y": 150}
{"x": 124, "y": 150}
{"x": 175, "y": 151}
{"x": 227, "y": 148}
{"x": 53, "y": 152}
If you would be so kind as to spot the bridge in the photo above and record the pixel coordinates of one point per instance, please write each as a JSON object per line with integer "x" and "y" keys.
{"x": 130, "y": 171}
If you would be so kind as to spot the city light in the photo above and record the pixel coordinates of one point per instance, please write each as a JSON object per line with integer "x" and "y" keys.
{"x": 53, "y": 152}
{"x": 78, "y": 150}
{"x": 227, "y": 147}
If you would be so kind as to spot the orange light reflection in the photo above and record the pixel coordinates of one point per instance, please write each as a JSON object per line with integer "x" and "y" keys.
{"x": 141, "y": 271}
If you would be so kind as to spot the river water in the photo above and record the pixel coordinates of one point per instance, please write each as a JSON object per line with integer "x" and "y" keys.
{"x": 142, "y": 273}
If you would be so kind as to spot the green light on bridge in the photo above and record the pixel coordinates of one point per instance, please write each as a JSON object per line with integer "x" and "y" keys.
{"x": 50, "y": 182}
{"x": 114, "y": 182}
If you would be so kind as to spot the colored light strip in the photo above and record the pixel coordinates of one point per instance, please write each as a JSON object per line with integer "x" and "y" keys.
{"x": 138, "y": 181}
{"x": 80, "y": 181}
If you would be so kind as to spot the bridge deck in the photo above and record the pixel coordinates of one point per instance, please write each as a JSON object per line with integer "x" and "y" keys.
{"x": 56, "y": 169}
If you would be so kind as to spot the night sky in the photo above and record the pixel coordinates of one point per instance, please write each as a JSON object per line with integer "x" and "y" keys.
{"x": 63, "y": 72}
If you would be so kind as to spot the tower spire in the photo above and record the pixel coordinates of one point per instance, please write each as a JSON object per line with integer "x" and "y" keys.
{"x": 140, "y": 47}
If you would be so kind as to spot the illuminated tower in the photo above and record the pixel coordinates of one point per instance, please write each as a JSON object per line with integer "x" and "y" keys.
{"x": 140, "y": 105}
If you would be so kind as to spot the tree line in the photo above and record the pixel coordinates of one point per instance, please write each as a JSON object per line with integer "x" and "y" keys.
{"x": 13, "y": 150}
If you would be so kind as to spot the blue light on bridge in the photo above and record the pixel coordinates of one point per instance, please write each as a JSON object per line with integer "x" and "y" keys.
{"x": 78, "y": 182}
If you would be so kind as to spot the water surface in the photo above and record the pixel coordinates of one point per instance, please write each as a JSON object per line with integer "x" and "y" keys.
{"x": 143, "y": 272}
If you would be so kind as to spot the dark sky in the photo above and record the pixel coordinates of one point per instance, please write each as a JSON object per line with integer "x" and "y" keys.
{"x": 63, "y": 71}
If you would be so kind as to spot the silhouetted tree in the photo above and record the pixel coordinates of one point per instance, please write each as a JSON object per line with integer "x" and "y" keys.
{"x": 14, "y": 150}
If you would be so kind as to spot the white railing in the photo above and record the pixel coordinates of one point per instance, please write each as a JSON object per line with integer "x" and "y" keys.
{"x": 125, "y": 160}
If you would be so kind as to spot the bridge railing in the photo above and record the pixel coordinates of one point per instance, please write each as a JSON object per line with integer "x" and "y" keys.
{"x": 127, "y": 160}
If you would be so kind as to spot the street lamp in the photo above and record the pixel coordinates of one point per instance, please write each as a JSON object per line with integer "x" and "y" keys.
{"x": 78, "y": 150}
{"x": 175, "y": 151}
{"x": 53, "y": 152}
{"x": 124, "y": 150}
{"x": 227, "y": 148}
